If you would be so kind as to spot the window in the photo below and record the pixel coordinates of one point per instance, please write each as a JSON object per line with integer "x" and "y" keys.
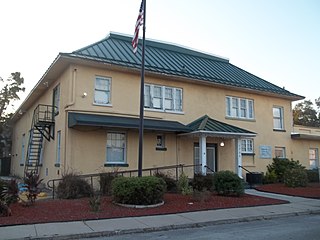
{"x": 313, "y": 158}
{"x": 56, "y": 99}
{"x": 239, "y": 108}
{"x": 278, "y": 118}
{"x": 58, "y": 150}
{"x": 23, "y": 147}
{"x": 280, "y": 152}
{"x": 161, "y": 142}
{"x": 102, "y": 91}
{"x": 247, "y": 145}
{"x": 163, "y": 98}
{"x": 116, "y": 148}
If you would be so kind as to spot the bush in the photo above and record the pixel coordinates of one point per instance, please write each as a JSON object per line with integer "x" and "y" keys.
{"x": 183, "y": 184}
{"x": 279, "y": 166}
{"x": 8, "y": 195}
{"x": 313, "y": 175}
{"x": 138, "y": 190}
{"x": 296, "y": 177}
{"x": 202, "y": 182}
{"x": 32, "y": 182}
{"x": 105, "y": 182}
{"x": 270, "y": 177}
{"x": 170, "y": 182}
{"x": 228, "y": 183}
{"x": 73, "y": 186}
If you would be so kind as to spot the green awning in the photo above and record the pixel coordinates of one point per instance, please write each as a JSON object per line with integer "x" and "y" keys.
{"x": 305, "y": 136}
{"x": 82, "y": 119}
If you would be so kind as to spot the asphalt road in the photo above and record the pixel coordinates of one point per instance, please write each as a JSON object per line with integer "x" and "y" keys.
{"x": 294, "y": 228}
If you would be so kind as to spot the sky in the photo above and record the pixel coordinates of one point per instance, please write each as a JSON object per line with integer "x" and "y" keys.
{"x": 277, "y": 40}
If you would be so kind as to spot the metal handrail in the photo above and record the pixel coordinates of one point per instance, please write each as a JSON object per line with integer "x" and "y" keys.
{"x": 245, "y": 169}
{"x": 51, "y": 182}
{"x": 209, "y": 168}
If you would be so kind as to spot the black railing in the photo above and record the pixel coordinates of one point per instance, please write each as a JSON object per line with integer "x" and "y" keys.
{"x": 245, "y": 169}
{"x": 211, "y": 170}
{"x": 44, "y": 114}
{"x": 254, "y": 178}
{"x": 178, "y": 169}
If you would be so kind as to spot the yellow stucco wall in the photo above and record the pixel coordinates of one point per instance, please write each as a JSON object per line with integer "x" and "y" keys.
{"x": 84, "y": 150}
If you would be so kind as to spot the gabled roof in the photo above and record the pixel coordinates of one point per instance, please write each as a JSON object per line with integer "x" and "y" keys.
{"x": 205, "y": 124}
{"x": 170, "y": 59}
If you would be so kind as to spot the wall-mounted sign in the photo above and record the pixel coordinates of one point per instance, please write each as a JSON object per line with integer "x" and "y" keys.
{"x": 265, "y": 152}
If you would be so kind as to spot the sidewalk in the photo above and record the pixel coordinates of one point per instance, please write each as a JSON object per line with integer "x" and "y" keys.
{"x": 107, "y": 227}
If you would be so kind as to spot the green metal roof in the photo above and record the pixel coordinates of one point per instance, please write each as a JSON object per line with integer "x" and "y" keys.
{"x": 82, "y": 119}
{"x": 175, "y": 60}
{"x": 208, "y": 124}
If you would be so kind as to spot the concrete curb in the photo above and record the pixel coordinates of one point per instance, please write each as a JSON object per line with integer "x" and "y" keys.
{"x": 173, "y": 227}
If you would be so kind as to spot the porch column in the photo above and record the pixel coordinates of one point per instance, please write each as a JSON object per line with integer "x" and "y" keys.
{"x": 238, "y": 157}
{"x": 203, "y": 153}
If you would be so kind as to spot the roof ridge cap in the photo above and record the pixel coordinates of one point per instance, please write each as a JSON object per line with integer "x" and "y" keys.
{"x": 204, "y": 122}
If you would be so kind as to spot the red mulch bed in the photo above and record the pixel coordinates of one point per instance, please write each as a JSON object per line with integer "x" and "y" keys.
{"x": 49, "y": 210}
{"x": 311, "y": 191}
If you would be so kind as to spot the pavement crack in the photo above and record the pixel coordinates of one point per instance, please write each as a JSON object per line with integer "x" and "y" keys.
{"x": 85, "y": 223}
{"x": 35, "y": 230}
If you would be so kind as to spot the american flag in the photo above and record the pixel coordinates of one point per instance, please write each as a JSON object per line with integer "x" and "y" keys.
{"x": 139, "y": 23}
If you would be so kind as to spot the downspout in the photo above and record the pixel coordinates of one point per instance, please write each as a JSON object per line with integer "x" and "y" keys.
{"x": 71, "y": 103}
{"x": 72, "y": 88}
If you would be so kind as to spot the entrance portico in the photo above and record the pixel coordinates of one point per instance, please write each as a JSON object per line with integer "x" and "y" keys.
{"x": 225, "y": 136}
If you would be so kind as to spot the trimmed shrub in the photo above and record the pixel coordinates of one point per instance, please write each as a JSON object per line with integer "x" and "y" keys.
{"x": 138, "y": 190}
{"x": 202, "y": 182}
{"x": 183, "y": 185}
{"x": 73, "y": 186}
{"x": 270, "y": 177}
{"x": 296, "y": 177}
{"x": 105, "y": 182}
{"x": 227, "y": 183}
{"x": 170, "y": 182}
{"x": 280, "y": 166}
{"x": 313, "y": 175}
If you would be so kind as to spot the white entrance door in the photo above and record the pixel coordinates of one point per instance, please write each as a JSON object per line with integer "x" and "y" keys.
{"x": 211, "y": 158}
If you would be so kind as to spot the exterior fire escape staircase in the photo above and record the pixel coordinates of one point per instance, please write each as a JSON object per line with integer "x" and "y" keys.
{"x": 42, "y": 127}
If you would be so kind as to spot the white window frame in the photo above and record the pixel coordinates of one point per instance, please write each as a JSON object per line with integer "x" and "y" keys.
{"x": 240, "y": 108}
{"x": 107, "y": 91}
{"x": 247, "y": 145}
{"x": 161, "y": 141}
{"x": 56, "y": 99}
{"x": 283, "y": 152}
{"x": 58, "y": 149}
{"x": 23, "y": 149}
{"x": 109, "y": 146}
{"x": 313, "y": 158}
{"x": 160, "y": 102}
{"x": 278, "y": 121}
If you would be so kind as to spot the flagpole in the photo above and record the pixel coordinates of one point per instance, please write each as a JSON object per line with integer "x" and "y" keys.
{"x": 142, "y": 94}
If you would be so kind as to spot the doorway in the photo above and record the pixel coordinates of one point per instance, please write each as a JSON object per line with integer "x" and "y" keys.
{"x": 212, "y": 161}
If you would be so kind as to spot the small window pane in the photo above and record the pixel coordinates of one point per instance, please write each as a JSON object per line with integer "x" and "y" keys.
{"x": 280, "y": 152}
{"x": 101, "y": 97}
{"x": 116, "y": 147}
{"x": 178, "y": 100}
{"x": 147, "y": 96}
{"x": 102, "y": 91}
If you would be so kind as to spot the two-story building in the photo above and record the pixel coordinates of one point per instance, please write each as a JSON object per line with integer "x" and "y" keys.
{"x": 83, "y": 114}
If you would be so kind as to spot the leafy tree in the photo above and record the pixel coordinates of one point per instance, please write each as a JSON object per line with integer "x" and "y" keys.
{"x": 305, "y": 114}
{"x": 317, "y": 101}
{"x": 8, "y": 94}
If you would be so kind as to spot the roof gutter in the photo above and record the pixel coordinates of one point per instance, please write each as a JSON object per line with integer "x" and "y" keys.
{"x": 220, "y": 134}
